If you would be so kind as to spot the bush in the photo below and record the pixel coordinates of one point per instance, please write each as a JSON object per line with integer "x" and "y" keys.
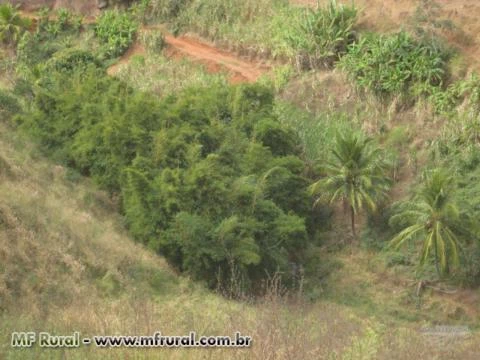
{"x": 65, "y": 21}
{"x": 12, "y": 25}
{"x": 395, "y": 64}
{"x": 182, "y": 168}
{"x": 9, "y": 105}
{"x": 70, "y": 60}
{"x": 466, "y": 91}
{"x": 325, "y": 33}
{"x": 154, "y": 42}
{"x": 116, "y": 30}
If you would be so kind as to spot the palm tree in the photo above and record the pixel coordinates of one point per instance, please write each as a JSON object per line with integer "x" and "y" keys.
{"x": 434, "y": 218}
{"x": 12, "y": 24}
{"x": 355, "y": 175}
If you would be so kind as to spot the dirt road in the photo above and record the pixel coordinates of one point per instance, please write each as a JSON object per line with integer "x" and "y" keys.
{"x": 215, "y": 60}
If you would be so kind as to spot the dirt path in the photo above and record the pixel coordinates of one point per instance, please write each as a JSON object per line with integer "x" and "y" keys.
{"x": 215, "y": 60}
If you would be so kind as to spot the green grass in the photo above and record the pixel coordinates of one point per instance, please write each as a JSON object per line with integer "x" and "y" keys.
{"x": 317, "y": 133}
{"x": 157, "y": 74}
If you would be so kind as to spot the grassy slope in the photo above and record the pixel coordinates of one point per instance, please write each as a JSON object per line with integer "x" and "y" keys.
{"x": 67, "y": 265}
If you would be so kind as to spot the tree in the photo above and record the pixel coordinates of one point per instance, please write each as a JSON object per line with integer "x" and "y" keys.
{"x": 356, "y": 175}
{"x": 12, "y": 24}
{"x": 434, "y": 218}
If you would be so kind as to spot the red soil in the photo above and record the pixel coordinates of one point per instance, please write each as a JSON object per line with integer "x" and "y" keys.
{"x": 215, "y": 60}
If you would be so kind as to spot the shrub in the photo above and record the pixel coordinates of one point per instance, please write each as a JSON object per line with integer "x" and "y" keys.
{"x": 325, "y": 33}
{"x": 8, "y": 104}
{"x": 116, "y": 30}
{"x": 466, "y": 91}
{"x": 70, "y": 60}
{"x": 154, "y": 42}
{"x": 395, "y": 64}
{"x": 182, "y": 168}
{"x": 65, "y": 21}
{"x": 12, "y": 25}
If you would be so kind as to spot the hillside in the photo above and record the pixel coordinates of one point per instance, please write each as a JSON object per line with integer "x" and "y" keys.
{"x": 67, "y": 265}
{"x": 214, "y": 166}
{"x": 455, "y": 20}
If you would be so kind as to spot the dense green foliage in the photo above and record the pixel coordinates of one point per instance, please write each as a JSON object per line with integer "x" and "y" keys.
{"x": 117, "y": 31}
{"x": 209, "y": 178}
{"x": 216, "y": 177}
{"x": 63, "y": 21}
{"x": 395, "y": 64}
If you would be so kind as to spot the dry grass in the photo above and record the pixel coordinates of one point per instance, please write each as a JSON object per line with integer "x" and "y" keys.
{"x": 67, "y": 265}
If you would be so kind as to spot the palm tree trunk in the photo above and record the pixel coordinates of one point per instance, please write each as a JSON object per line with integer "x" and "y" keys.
{"x": 352, "y": 210}
{"x": 436, "y": 260}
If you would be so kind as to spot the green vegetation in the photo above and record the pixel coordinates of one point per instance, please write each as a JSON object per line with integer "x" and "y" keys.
{"x": 309, "y": 38}
{"x": 218, "y": 164}
{"x": 397, "y": 64}
{"x": 226, "y": 181}
{"x": 436, "y": 220}
{"x": 116, "y": 30}
{"x": 160, "y": 75}
{"x": 355, "y": 175}
{"x": 233, "y": 165}
{"x": 62, "y": 22}
{"x": 325, "y": 33}
{"x": 12, "y": 25}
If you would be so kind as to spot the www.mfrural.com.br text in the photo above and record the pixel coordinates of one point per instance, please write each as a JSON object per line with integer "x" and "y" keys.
{"x": 75, "y": 340}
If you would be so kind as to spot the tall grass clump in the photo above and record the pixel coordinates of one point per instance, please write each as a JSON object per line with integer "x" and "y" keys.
{"x": 317, "y": 134}
{"x": 64, "y": 22}
{"x": 116, "y": 30}
{"x": 396, "y": 65}
{"x": 324, "y": 34}
{"x": 157, "y": 74}
{"x": 12, "y": 25}
{"x": 464, "y": 93}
